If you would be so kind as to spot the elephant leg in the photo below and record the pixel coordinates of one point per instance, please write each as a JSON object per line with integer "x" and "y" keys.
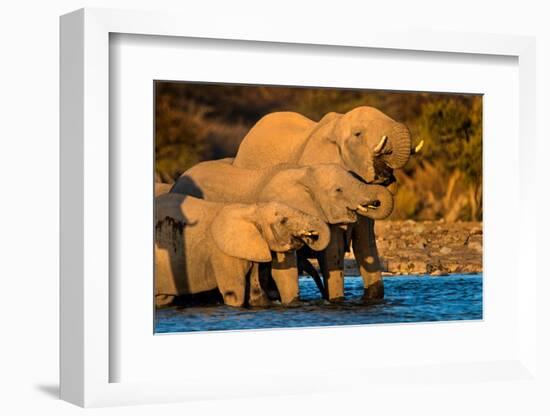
{"x": 233, "y": 289}
{"x": 256, "y": 295}
{"x": 284, "y": 270}
{"x": 366, "y": 256}
{"x": 267, "y": 283}
{"x": 331, "y": 262}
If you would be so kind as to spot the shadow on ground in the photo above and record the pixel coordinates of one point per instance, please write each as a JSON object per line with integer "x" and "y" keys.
{"x": 51, "y": 390}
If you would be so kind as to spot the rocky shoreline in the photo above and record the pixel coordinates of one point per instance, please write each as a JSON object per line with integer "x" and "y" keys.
{"x": 432, "y": 248}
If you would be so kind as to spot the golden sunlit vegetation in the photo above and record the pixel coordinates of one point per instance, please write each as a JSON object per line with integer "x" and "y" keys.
{"x": 195, "y": 122}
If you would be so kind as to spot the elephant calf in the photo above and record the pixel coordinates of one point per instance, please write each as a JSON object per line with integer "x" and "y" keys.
{"x": 326, "y": 190}
{"x": 202, "y": 245}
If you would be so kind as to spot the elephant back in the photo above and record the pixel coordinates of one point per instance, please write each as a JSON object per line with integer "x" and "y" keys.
{"x": 277, "y": 138}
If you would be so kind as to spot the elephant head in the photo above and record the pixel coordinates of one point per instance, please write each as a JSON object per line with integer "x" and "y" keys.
{"x": 252, "y": 231}
{"x": 370, "y": 143}
{"x": 342, "y": 195}
{"x": 329, "y": 192}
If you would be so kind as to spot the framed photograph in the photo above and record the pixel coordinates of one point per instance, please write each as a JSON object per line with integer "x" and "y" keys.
{"x": 218, "y": 145}
{"x": 281, "y": 212}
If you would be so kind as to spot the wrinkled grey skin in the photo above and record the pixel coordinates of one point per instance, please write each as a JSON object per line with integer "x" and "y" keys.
{"x": 202, "y": 245}
{"x": 350, "y": 140}
{"x": 325, "y": 191}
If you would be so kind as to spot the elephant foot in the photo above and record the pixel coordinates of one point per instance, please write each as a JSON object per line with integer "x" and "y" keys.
{"x": 335, "y": 286}
{"x": 337, "y": 299}
{"x": 231, "y": 298}
{"x": 289, "y": 300}
{"x": 293, "y": 303}
{"x": 374, "y": 291}
{"x": 164, "y": 301}
{"x": 259, "y": 300}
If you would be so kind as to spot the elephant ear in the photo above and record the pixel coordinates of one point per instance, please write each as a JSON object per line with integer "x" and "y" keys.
{"x": 235, "y": 233}
{"x": 340, "y": 131}
{"x": 304, "y": 197}
{"x": 326, "y": 127}
{"x": 306, "y": 203}
{"x": 300, "y": 191}
{"x": 329, "y": 117}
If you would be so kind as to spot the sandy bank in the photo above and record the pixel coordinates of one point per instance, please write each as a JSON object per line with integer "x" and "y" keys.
{"x": 427, "y": 247}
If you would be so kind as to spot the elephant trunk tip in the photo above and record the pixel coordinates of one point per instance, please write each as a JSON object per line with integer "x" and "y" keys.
{"x": 317, "y": 237}
{"x": 378, "y": 207}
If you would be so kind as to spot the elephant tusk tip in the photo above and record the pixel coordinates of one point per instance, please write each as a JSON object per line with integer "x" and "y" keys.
{"x": 380, "y": 144}
{"x": 418, "y": 147}
{"x": 304, "y": 234}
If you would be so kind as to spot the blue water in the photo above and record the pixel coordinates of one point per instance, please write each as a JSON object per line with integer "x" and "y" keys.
{"x": 407, "y": 299}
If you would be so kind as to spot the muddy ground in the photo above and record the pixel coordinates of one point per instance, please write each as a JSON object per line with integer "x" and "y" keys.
{"x": 427, "y": 247}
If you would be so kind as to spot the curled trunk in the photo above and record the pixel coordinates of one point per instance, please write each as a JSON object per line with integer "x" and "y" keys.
{"x": 400, "y": 143}
{"x": 379, "y": 203}
{"x": 312, "y": 231}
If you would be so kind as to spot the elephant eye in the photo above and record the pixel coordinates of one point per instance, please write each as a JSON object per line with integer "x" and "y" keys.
{"x": 284, "y": 220}
{"x": 357, "y": 134}
{"x": 338, "y": 189}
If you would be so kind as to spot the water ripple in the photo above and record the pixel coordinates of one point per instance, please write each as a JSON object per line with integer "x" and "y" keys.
{"x": 407, "y": 299}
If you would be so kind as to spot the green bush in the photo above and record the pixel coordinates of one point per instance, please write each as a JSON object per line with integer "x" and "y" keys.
{"x": 452, "y": 131}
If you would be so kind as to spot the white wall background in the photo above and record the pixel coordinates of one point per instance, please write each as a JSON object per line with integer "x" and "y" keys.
{"x": 29, "y": 211}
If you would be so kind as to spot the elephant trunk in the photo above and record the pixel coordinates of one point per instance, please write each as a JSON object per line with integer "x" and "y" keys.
{"x": 377, "y": 202}
{"x": 399, "y": 138}
{"x": 312, "y": 231}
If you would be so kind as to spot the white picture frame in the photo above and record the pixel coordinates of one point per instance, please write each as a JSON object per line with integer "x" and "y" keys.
{"x": 86, "y": 355}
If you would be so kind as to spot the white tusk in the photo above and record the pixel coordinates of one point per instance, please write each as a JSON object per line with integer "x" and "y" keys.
{"x": 362, "y": 210}
{"x": 418, "y": 147}
{"x": 380, "y": 144}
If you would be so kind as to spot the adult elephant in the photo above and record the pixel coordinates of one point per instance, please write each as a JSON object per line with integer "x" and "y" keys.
{"x": 365, "y": 141}
{"x": 325, "y": 191}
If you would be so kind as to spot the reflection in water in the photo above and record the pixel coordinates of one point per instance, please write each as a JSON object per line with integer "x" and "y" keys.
{"x": 408, "y": 299}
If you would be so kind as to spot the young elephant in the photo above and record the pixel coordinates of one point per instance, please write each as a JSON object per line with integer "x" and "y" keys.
{"x": 202, "y": 245}
{"x": 326, "y": 191}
